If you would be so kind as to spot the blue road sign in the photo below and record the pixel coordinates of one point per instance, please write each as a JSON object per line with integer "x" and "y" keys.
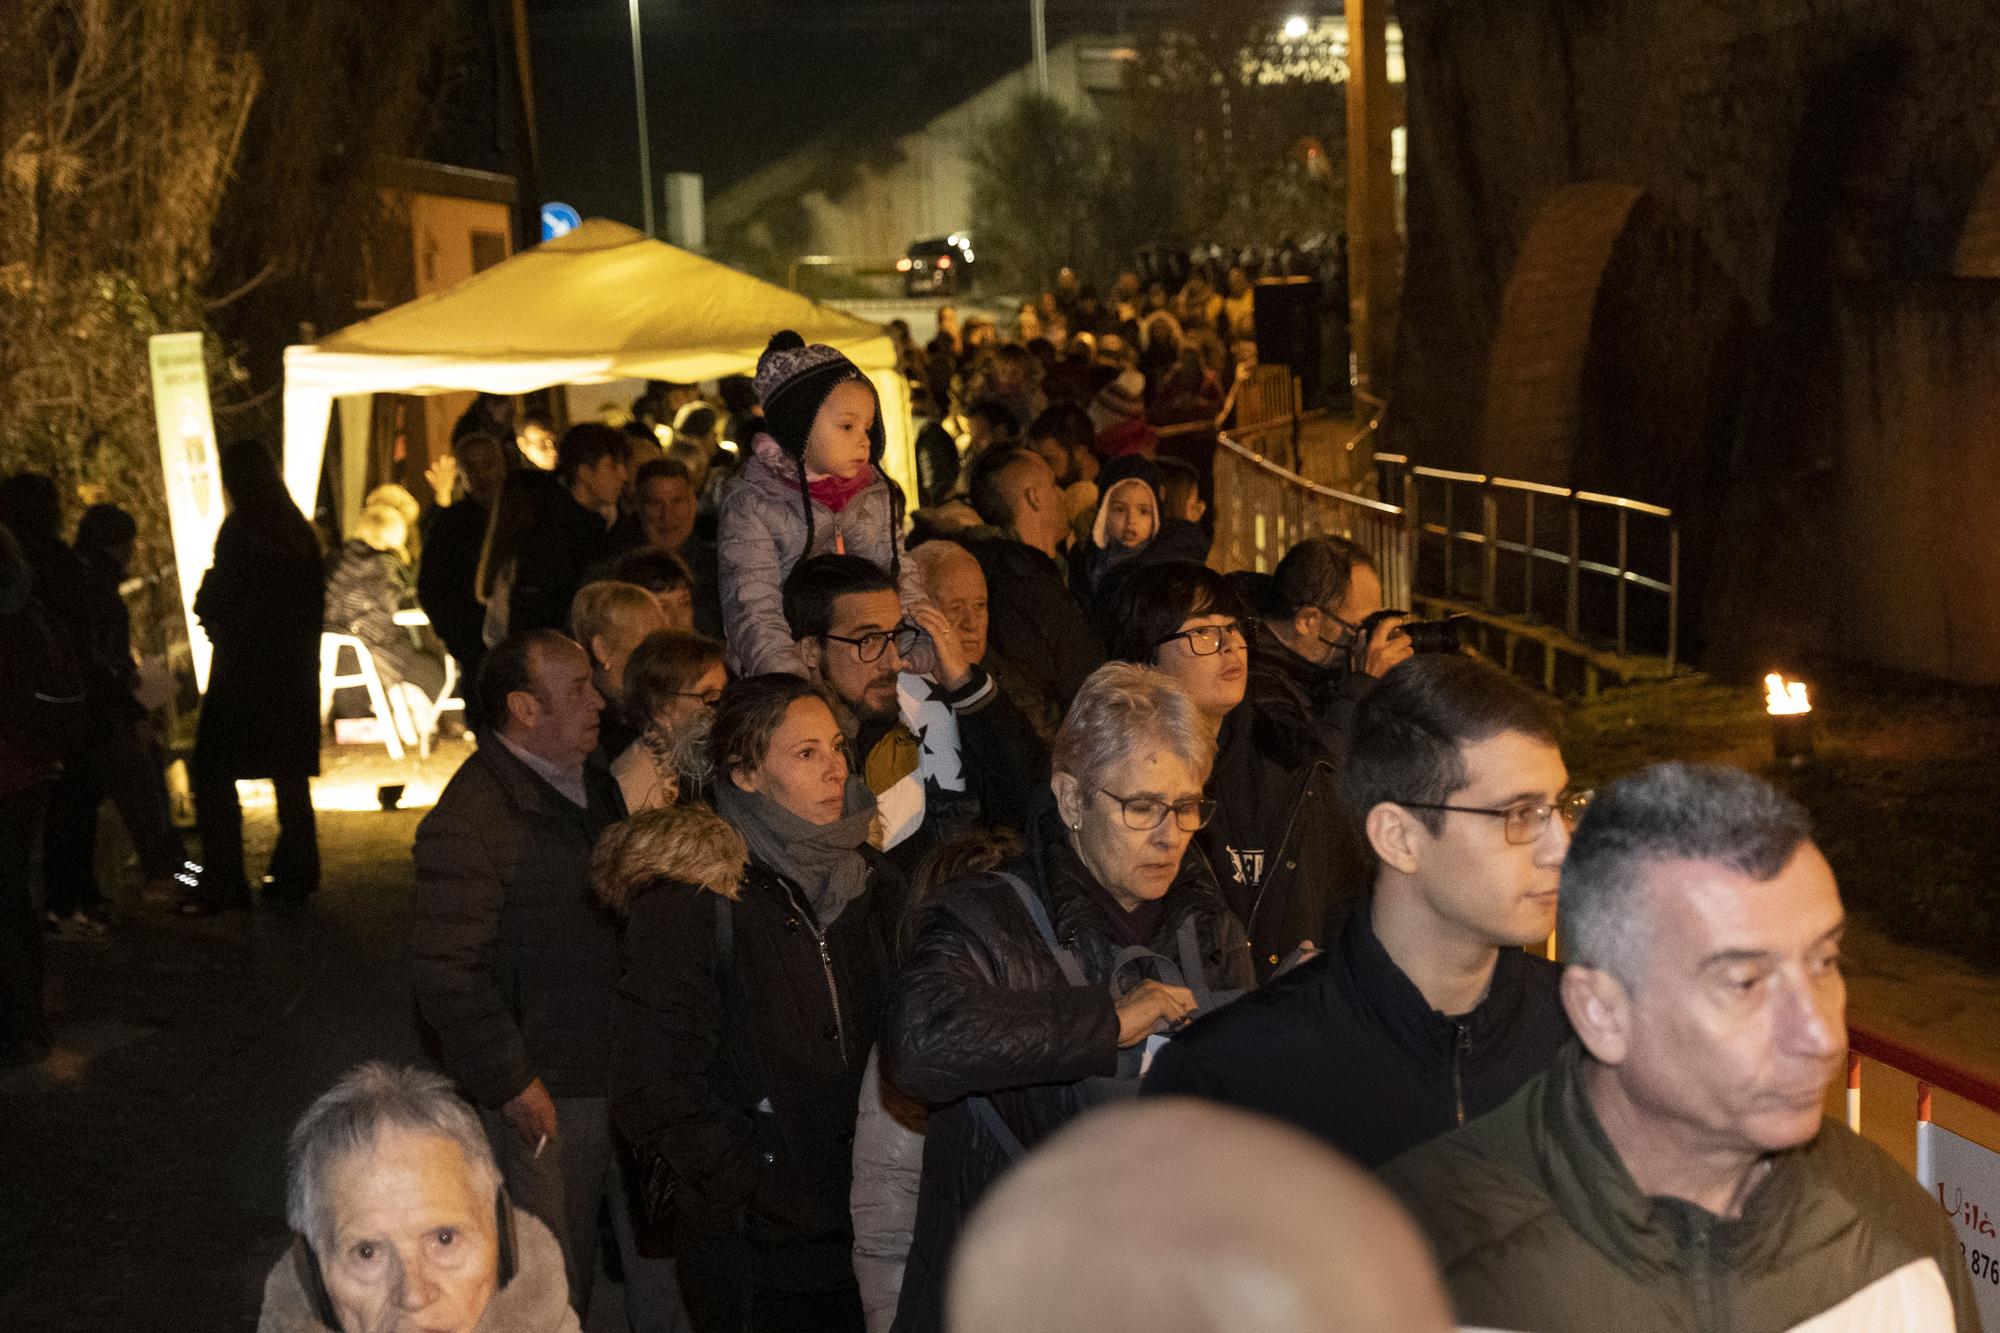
{"x": 559, "y": 220}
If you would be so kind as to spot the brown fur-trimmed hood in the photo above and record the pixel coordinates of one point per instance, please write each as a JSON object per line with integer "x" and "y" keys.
{"x": 690, "y": 844}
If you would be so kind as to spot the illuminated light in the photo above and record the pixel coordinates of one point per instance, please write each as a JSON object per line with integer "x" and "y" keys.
{"x": 729, "y": 446}
{"x": 1296, "y": 27}
{"x": 1785, "y": 698}
{"x": 665, "y": 434}
{"x": 903, "y": 265}
{"x": 944, "y": 261}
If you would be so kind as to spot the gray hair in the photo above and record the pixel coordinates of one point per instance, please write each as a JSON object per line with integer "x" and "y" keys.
{"x": 1125, "y": 710}
{"x": 348, "y": 1117}
{"x": 1668, "y": 812}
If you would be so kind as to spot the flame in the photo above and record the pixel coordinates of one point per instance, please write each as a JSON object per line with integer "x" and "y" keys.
{"x": 1785, "y": 698}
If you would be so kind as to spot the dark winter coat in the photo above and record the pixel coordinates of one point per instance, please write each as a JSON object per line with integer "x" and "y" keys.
{"x": 747, "y": 1076}
{"x": 1327, "y": 694}
{"x": 1285, "y": 852}
{"x": 1041, "y": 629}
{"x": 1537, "y": 1224}
{"x": 1347, "y": 1048}
{"x": 364, "y": 590}
{"x": 983, "y": 1007}
{"x": 448, "y": 574}
{"x": 261, "y": 605}
{"x": 554, "y": 562}
{"x": 515, "y": 960}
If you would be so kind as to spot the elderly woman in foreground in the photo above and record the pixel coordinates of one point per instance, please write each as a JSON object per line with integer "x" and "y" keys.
{"x": 401, "y": 1222}
{"x": 1031, "y": 994}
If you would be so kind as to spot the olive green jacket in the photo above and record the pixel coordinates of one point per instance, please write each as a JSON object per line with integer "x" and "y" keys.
{"x": 1538, "y": 1227}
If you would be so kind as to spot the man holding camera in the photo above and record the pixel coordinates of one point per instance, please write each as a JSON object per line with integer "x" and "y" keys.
{"x": 1426, "y": 1000}
{"x": 1322, "y": 640}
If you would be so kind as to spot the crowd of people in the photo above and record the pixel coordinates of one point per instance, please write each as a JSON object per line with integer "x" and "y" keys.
{"x": 978, "y": 913}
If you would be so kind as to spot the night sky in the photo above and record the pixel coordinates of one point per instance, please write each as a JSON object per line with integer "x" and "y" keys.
{"x": 734, "y": 84}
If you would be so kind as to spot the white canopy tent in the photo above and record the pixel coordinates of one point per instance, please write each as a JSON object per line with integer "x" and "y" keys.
{"x": 602, "y": 303}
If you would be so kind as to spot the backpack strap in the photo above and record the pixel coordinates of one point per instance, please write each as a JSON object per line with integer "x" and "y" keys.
{"x": 1072, "y": 967}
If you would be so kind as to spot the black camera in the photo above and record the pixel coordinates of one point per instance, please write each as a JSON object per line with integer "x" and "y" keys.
{"x": 1426, "y": 636}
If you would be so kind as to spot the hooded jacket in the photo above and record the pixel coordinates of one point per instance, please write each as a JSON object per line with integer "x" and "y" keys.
{"x": 1101, "y": 568}
{"x": 745, "y": 1073}
{"x": 762, "y": 538}
{"x": 1537, "y": 1225}
{"x": 983, "y": 1007}
{"x": 535, "y": 1299}
{"x": 1347, "y": 1048}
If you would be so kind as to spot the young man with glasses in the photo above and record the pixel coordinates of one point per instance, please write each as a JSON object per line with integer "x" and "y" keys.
{"x": 1288, "y": 864}
{"x": 934, "y": 770}
{"x": 1426, "y": 1010}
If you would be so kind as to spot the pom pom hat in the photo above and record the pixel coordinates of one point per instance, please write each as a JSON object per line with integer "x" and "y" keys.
{"x": 793, "y": 381}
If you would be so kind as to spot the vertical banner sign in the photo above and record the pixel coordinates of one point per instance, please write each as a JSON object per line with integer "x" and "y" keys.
{"x": 1965, "y": 1179}
{"x": 188, "y": 462}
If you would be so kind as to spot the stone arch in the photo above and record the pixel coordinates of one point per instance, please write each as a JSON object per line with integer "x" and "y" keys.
{"x": 1533, "y": 398}
{"x": 1979, "y": 242}
{"x": 1617, "y": 361}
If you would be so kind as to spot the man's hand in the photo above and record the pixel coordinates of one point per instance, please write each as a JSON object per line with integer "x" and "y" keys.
{"x": 442, "y": 478}
{"x": 953, "y": 671}
{"x": 1387, "y": 648}
{"x": 532, "y": 1112}
{"x": 1152, "y": 1006}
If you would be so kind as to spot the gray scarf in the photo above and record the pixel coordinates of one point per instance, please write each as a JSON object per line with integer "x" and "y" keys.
{"x": 824, "y": 860}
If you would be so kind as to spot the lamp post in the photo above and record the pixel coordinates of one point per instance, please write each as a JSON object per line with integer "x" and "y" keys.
{"x": 1038, "y": 27}
{"x": 645, "y": 147}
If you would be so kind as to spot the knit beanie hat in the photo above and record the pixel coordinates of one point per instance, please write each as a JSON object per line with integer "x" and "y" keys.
{"x": 1122, "y": 400}
{"x": 793, "y": 381}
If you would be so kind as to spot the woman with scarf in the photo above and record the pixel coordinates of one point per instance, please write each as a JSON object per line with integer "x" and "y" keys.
{"x": 758, "y": 953}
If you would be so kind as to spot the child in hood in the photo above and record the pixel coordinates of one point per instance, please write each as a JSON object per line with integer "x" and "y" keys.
{"x": 1131, "y": 529}
{"x": 812, "y": 484}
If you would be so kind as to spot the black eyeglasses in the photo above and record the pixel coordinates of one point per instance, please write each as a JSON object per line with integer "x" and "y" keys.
{"x": 1208, "y": 640}
{"x": 870, "y": 647}
{"x": 1143, "y": 814}
{"x": 1525, "y": 822}
{"x": 1352, "y": 629}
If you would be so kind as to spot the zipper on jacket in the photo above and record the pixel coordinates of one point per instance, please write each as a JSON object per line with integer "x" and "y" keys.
{"x": 825, "y": 965}
{"x": 1461, "y": 1046}
{"x": 1284, "y": 843}
{"x": 1702, "y": 1279}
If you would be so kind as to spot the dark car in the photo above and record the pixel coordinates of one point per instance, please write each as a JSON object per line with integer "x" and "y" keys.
{"x": 943, "y": 267}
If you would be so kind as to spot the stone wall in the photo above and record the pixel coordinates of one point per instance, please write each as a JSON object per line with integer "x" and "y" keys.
{"x": 1916, "y": 501}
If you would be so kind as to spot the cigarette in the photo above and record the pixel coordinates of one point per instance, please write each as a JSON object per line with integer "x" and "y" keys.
{"x": 540, "y": 1144}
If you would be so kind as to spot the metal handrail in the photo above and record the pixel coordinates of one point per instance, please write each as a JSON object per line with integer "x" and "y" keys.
{"x": 1223, "y": 441}
{"x": 1930, "y": 1071}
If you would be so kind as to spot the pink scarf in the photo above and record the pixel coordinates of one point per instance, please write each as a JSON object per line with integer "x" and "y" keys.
{"x": 830, "y": 491}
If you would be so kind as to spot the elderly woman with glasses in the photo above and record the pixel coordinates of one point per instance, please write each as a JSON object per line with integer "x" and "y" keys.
{"x": 1034, "y": 993}
{"x": 1288, "y": 859}
{"x": 672, "y": 684}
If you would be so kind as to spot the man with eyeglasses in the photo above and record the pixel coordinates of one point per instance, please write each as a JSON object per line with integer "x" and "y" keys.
{"x": 1307, "y": 647}
{"x": 942, "y": 752}
{"x": 1426, "y": 1010}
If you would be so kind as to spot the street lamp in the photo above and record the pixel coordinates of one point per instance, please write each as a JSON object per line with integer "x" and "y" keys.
{"x": 645, "y": 147}
{"x": 1297, "y": 26}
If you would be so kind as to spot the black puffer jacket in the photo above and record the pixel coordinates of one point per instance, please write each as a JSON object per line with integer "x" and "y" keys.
{"x": 982, "y": 1007}
{"x": 699, "y": 1051}
{"x": 1285, "y": 851}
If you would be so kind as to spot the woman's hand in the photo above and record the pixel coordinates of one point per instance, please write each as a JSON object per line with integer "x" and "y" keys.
{"x": 1150, "y": 1007}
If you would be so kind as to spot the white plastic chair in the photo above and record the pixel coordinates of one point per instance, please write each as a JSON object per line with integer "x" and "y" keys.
{"x": 364, "y": 675}
{"x": 448, "y": 699}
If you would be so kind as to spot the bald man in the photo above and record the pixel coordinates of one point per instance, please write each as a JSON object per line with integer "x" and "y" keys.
{"x": 1177, "y": 1216}
{"x": 1038, "y": 623}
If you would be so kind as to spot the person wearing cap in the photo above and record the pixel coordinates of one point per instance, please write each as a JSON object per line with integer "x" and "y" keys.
{"x": 1119, "y": 413}
{"x": 812, "y": 485}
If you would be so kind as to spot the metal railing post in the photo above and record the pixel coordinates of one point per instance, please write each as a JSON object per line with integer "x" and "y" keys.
{"x": 1673, "y": 594}
{"x": 1412, "y": 533}
{"x": 1489, "y": 572}
{"x": 1624, "y": 572}
{"x": 1528, "y": 556}
{"x": 1572, "y": 617}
